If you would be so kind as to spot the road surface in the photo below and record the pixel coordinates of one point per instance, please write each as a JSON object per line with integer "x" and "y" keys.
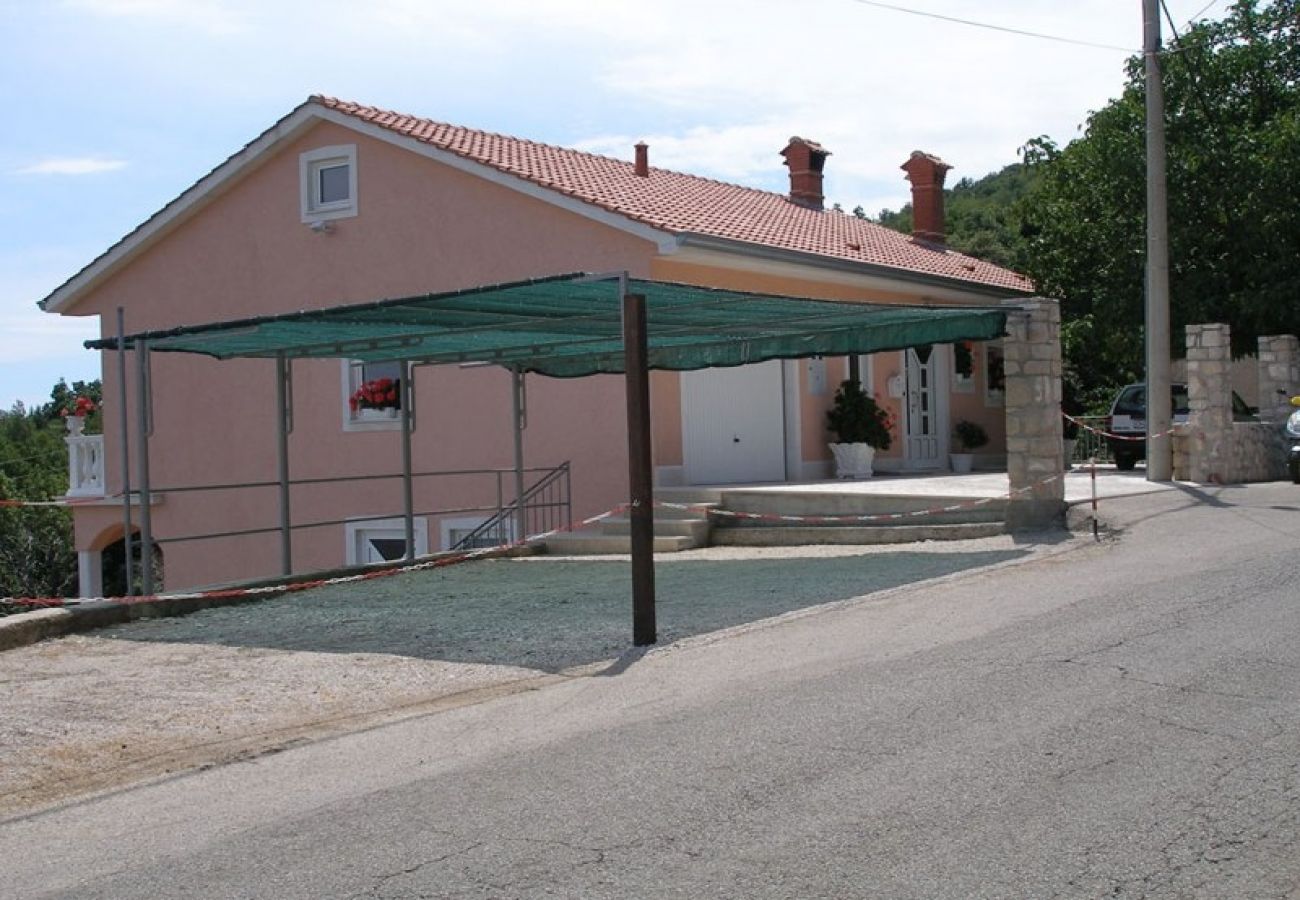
{"x": 1122, "y": 720}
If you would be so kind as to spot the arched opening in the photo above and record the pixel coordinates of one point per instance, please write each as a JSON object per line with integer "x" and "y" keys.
{"x": 114, "y": 565}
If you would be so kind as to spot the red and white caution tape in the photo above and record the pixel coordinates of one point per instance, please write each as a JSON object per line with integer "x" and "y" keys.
{"x": 1118, "y": 437}
{"x": 63, "y": 501}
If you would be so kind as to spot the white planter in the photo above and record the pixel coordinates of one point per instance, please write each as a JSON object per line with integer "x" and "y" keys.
{"x": 961, "y": 462}
{"x": 76, "y": 424}
{"x": 853, "y": 460}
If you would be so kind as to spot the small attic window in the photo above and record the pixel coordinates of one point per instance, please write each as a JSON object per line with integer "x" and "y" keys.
{"x": 328, "y": 182}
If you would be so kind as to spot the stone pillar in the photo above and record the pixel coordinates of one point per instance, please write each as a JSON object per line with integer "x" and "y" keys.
{"x": 90, "y": 573}
{"x": 1035, "y": 449}
{"x": 1209, "y": 403}
{"x": 1279, "y": 376}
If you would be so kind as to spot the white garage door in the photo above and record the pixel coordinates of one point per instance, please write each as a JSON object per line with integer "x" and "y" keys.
{"x": 733, "y": 424}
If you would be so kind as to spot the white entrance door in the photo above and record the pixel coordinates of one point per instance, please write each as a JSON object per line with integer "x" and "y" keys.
{"x": 733, "y": 424}
{"x": 925, "y": 411}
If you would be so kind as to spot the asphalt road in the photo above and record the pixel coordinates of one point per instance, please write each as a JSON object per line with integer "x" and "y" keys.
{"x": 1122, "y": 720}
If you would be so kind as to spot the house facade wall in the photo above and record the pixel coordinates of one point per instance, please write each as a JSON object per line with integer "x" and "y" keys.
{"x": 420, "y": 227}
{"x": 813, "y": 450}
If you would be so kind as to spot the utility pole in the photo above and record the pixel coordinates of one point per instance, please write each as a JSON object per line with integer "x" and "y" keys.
{"x": 1159, "y": 392}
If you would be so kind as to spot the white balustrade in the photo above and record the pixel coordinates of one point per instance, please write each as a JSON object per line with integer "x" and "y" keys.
{"x": 85, "y": 465}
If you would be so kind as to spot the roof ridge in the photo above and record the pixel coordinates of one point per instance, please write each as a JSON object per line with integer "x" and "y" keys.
{"x": 337, "y": 103}
{"x": 856, "y": 231}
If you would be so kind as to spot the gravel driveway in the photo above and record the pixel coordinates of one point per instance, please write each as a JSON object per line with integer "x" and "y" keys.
{"x": 94, "y": 711}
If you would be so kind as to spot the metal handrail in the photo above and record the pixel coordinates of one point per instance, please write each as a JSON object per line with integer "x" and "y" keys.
{"x": 241, "y": 485}
{"x": 1088, "y": 444}
{"x": 557, "y": 478}
{"x": 561, "y": 505}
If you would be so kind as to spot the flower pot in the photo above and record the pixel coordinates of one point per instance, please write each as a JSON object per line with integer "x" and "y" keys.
{"x": 961, "y": 462}
{"x": 76, "y": 425}
{"x": 853, "y": 460}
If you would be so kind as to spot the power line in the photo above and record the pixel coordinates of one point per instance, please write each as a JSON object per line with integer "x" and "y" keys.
{"x": 1195, "y": 16}
{"x": 990, "y": 27}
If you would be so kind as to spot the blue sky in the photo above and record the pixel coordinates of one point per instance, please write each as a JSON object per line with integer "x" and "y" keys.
{"x": 114, "y": 107}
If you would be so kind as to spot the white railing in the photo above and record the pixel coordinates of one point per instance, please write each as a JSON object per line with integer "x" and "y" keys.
{"x": 85, "y": 465}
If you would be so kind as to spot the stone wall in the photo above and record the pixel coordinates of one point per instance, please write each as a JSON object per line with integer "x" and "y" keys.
{"x": 1035, "y": 451}
{"x": 1211, "y": 448}
{"x": 1279, "y": 376}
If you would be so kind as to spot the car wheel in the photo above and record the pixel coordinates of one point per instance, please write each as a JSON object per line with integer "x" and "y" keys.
{"x": 1295, "y": 473}
{"x": 1125, "y": 461}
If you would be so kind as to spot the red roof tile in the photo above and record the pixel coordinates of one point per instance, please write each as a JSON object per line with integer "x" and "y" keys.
{"x": 681, "y": 203}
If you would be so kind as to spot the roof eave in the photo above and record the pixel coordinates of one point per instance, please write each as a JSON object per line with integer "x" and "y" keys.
{"x": 62, "y": 298}
{"x": 872, "y": 270}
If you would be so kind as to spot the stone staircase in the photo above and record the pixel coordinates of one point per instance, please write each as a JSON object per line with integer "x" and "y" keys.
{"x": 984, "y": 520}
{"x": 710, "y": 524}
{"x": 675, "y": 529}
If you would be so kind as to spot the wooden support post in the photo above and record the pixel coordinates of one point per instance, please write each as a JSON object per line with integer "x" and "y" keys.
{"x": 408, "y": 491}
{"x": 283, "y": 426}
{"x": 517, "y": 431}
{"x": 640, "y": 473}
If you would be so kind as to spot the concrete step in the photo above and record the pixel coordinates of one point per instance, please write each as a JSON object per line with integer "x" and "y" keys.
{"x": 699, "y": 499}
{"x": 794, "y": 535}
{"x": 592, "y": 543}
{"x": 689, "y": 494}
{"x": 957, "y": 510}
{"x": 697, "y": 529}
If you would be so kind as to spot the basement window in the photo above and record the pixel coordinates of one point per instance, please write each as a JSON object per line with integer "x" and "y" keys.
{"x": 382, "y": 540}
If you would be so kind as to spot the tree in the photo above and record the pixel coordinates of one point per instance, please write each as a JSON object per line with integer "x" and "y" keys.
{"x": 1232, "y": 92}
{"x": 37, "y": 558}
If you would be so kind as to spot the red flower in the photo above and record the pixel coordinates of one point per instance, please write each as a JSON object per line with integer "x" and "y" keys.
{"x": 80, "y": 407}
{"x": 380, "y": 393}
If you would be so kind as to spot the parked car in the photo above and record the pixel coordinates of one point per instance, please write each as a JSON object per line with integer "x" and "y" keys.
{"x": 1128, "y": 419}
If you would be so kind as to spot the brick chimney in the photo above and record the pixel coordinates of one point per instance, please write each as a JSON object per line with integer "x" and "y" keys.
{"x": 642, "y": 159}
{"x": 806, "y": 160}
{"x": 926, "y": 173}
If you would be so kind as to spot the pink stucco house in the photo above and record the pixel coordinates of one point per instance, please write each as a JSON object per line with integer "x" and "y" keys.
{"x": 341, "y": 203}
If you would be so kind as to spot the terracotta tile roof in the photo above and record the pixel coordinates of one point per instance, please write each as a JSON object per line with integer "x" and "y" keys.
{"x": 680, "y": 203}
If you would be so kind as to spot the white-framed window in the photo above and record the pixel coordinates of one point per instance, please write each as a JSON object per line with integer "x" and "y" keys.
{"x": 367, "y": 405}
{"x": 382, "y": 540}
{"x": 328, "y": 177}
{"x": 456, "y": 529}
{"x": 867, "y": 373}
{"x": 995, "y": 378}
{"x": 963, "y": 367}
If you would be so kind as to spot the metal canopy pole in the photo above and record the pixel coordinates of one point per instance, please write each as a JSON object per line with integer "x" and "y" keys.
{"x": 124, "y": 426}
{"x": 144, "y": 425}
{"x": 517, "y": 413}
{"x": 408, "y": 494}
{"x": 640, "y": 475}
{"x": 283, "y": 427}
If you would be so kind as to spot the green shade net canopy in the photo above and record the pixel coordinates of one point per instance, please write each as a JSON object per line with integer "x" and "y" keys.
{"x": 571, "y": 325}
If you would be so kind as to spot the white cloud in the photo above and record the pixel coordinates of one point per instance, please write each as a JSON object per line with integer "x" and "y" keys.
{"x": 71, "y": 165}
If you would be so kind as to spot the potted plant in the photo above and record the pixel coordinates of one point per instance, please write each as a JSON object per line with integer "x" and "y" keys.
{"x": 75, "y": 412}
{"x": 381, "y": 394}
{"x": 967, "y": 436}
{"x": 861, "y": 427}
